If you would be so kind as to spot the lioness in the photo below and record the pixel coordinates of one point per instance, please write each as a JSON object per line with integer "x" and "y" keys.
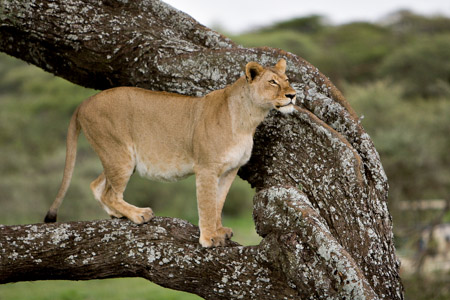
{"x": 168, "y": 137}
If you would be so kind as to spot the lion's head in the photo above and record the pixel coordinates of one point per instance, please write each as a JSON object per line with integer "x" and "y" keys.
{"x": 270, "y": 87}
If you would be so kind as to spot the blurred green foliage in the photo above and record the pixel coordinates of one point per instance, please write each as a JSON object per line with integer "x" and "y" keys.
{"x": 411, "y": 136}
{"x": 426, "y": 63}
{"x": 395, "y": 73}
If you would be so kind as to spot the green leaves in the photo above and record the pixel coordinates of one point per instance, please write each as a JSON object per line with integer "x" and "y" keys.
{"x": 422, "y": 66}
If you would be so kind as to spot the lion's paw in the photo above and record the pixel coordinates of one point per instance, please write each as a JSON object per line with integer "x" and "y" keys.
{"x": 212, "y": 241}
{"x": 141, "y": 215}
{"x": 226, "y": 232}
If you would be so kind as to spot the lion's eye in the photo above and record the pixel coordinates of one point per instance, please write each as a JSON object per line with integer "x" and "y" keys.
{"x": 273, "y": 82}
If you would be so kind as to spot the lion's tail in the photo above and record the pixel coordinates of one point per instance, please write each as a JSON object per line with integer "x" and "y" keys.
{"x": 71, "y": 154}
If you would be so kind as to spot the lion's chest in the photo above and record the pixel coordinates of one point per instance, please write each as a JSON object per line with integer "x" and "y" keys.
{"x": 239, "y": 153}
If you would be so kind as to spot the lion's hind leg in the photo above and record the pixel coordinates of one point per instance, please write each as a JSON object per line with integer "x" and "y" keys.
{"x": 116, "y": 179}
{"x": 98, "y": 187}
{"x": 114, "y": 201}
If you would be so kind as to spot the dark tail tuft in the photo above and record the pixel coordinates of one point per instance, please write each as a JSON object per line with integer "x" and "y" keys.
{"x": 50, "y": 217}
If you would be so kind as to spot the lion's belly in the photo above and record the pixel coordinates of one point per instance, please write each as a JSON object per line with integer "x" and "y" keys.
{"x": 165, "y": 168}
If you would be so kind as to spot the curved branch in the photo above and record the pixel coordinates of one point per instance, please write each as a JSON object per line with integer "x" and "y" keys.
{"x": 305, "y": 248}
{"x": 301, "y": 150}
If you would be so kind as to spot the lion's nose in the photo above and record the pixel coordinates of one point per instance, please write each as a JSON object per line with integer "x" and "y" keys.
{"x": 290, "y": 96}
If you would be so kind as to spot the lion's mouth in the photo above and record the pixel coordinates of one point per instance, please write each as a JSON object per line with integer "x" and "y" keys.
{"x": 280, "y": 106}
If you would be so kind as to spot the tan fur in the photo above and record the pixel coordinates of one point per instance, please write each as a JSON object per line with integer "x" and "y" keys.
{"x": 167, "y": 137}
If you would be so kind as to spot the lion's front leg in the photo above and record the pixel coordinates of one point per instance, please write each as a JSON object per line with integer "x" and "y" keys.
{"x": 225, "y": 182}
{"x": 207, "y": 191}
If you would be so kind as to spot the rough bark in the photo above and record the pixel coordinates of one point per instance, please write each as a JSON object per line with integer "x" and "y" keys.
{"x": 165, "y": 251}
{"x": 321, "y": 190}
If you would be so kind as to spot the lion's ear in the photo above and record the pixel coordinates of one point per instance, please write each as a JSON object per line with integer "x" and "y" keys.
{"x": 281, "y": 65}
{"x": 253, "y": 70}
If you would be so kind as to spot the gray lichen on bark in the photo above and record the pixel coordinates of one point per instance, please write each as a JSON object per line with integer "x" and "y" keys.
{"x": 322, "y": 192}
{"x": 297, "y": 221}
{"x": 165, "y": 251}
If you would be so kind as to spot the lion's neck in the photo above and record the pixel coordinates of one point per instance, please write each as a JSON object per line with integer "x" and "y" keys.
{"x": 245, "y": 115}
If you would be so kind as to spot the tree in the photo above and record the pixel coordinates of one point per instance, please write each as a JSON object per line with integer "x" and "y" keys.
{"x": 321, "y": 189}
{"x": 422, "y": 67}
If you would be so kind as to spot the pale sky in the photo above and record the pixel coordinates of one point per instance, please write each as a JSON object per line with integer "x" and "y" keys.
{"x": 237, "y": 16}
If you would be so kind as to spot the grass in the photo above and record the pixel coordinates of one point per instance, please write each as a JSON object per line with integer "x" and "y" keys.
{"x": 111, "y": 289}
{"x": 243, "y": 230}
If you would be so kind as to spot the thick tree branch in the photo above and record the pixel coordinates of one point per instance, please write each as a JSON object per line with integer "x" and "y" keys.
{"x": 330, "y": 236}
{"x": 166, "y": 251}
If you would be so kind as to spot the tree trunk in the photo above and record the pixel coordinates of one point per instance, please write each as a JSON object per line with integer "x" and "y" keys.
{"x": 321, "y": 190}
